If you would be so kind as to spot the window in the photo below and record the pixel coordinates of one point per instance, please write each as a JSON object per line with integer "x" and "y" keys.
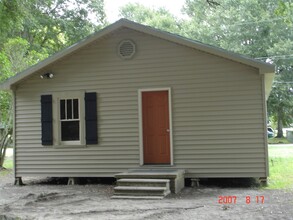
{"x": 69, "y": 120}
{"x": 69, "y": 126}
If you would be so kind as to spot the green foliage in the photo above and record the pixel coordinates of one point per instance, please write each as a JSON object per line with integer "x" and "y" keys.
{"x": 239, "y": 26}
{"x": 157, "y": 18}
{"x": 51, "y": 24}
{"x": 16, "y": 52}
{"x": 8, "y": 165}
{"x": 280, "y": 105}
{"x": 5, "y": 67}
{"x": 10, "y": 17}
{"x": 284, "y": 10}
{"x": 5, "y": 108}
{"x": 281, "y": 173}
{"x": 14, "y": 57}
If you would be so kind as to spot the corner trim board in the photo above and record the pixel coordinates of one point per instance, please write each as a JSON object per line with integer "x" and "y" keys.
{"x": 264, "y": 105}
{"x": 14, "y": 132}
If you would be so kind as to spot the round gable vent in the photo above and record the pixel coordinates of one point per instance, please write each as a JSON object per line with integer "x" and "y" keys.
{"x": 126, "y": 49}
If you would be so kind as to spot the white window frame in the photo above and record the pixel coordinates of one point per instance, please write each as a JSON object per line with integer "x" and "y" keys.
{"x": 57, "y": 122}
{"x": 140, "y": 91}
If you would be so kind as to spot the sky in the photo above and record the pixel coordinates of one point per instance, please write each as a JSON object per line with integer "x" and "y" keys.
{"x": 112, "y": 6}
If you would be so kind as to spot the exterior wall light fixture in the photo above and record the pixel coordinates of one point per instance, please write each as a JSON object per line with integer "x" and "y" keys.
{"x": 47, "y": 76}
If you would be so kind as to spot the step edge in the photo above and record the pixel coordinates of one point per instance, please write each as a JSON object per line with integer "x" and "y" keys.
{"x": 151, "y": 188}
{"x": 137, "y": 197}
{"x": 144, "y": 180}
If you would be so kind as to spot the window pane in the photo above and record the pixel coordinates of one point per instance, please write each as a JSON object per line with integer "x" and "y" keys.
{"x": 69, "y": 108}
{"x": 70, "y": 130}
{"x": 62, "y": 109}
{"x": 75, "y": 109}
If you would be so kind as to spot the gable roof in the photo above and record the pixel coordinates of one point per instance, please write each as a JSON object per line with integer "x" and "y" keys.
{"x": 264, "y": 68}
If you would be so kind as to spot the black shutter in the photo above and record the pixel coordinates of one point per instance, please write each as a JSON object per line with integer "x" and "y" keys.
{"x": 91, "y": 129}
{"x": 47, "y": 120}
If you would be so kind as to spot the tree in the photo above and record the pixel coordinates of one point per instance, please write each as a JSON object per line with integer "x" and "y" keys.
{"x": 281, "y": 106}
{"x": 158, "y": 18}
{"x": 10, "y": 17}
{"x": 52, "y": 24}
{"x": 243, "y": 26}
{"x": 285, "y": 10}
{"x": 5, "y": 122}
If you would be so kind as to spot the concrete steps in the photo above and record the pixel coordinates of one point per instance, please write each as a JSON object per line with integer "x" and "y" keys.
{"x": 175, "y": 176}
{"x": 143, "y": 182}
{"x": 141, "y": 189}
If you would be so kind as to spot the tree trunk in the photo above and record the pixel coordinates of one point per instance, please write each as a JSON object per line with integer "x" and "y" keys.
{"x": 280, "y": 124}
{"x": 3, "y": 147}
{"x": 5, "y": 137}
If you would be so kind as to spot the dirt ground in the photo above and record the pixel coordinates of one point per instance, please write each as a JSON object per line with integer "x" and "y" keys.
{"x": 40, "y": 199}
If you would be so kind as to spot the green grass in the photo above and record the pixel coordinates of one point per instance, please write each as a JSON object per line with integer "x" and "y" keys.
{"x": 8, "y": 164}
{"x": 281, "y": 173}
{"x": 281, "y": 167}
{"x": 278, "y": 141}
{"x": 280, "y": 151}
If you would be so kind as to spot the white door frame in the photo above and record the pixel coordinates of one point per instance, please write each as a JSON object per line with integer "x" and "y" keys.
{"x": 140, "y": 91}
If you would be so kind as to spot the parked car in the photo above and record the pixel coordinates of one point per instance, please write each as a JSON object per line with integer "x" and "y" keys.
{"x": 271, "y": 132}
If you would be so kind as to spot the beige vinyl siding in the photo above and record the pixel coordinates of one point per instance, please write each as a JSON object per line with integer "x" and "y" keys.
{"x": 217, "y": 110}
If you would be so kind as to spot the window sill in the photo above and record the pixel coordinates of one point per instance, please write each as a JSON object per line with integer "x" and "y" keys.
{"x": 70, "y": 146}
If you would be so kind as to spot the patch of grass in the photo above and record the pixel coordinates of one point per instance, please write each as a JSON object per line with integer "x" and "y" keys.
{"x": 8, "y": 164}
{"x": 280, "y": 151}
{"x": 281, "y": 167}
{"x": 278, "y": 141}
{"x": 281, "y": 173}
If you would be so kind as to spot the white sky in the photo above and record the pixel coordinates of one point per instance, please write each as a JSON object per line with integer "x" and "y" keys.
{"x": 112, "y": 6}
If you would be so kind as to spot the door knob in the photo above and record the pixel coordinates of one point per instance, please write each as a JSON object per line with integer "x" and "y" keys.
{"x": 168, "y": 130}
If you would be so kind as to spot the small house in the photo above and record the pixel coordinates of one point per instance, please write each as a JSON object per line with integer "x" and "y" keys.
{"x": 134, "y": 97}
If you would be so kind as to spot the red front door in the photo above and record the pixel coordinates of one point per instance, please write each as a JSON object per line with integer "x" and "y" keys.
{"x": 156, "y": 129}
